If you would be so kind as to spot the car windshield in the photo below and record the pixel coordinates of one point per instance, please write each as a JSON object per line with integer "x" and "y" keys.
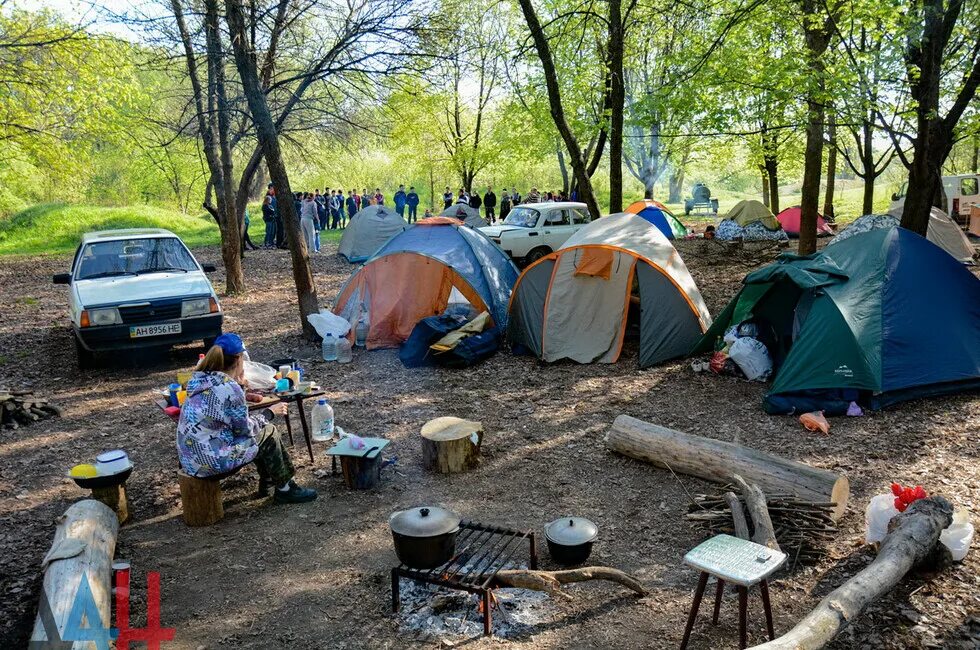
{"x": 134, "y": 257}
{"x": 522, "y": 217}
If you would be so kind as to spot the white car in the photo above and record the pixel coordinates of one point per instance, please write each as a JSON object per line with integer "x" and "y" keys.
{"x": 138, "y": 288}
{"x": 532, "y": 230}
{"x": 962, "y": 193}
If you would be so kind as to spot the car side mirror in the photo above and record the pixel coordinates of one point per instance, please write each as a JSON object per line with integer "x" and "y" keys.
{"x": 209, "y": 268}
{"x": 62, "y": 278}
{"x": 894, "y": 196}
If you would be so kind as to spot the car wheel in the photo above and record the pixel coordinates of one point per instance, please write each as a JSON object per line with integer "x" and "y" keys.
{"x": 536, "y": 254}
{"x": 86, "y": 358}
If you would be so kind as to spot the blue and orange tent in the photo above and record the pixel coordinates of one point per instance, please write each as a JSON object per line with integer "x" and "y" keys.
{"x": 413, "y": 275}
{"x": 659, "y": 215}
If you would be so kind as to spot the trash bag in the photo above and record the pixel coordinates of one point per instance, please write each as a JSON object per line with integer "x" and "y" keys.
{"x": 260, "y": 376}
{"x": 959, "y": 536}
{"x": 879, "y": 512}
{"x": 717, "y": 363}
{"x": 414, "y": 352}
{"x": 752, "y": 357}
{"x": 471, "y": 350}
{"x": 731, "y": 335}
{"x": 327, "y": 322}
{"x": 815, "y": 421}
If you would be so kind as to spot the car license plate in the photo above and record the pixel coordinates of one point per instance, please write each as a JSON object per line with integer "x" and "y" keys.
{"x": 140, "y": 331}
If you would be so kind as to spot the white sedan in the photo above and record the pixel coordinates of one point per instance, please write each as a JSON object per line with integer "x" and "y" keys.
{"x": 533, "y": 230}
{"x": 136, "y": 288}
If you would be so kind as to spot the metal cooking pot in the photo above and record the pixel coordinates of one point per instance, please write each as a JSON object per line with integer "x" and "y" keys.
{"x": 425, "y": 537}
{"x": 570, "y": 540}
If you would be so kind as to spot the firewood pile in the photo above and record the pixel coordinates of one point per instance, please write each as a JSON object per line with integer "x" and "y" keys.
{"x": 21, "y": 407}
{"x": 803, "y": 528}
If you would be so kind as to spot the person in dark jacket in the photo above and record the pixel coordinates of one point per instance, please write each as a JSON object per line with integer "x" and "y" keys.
{"x": 400, "y": 200}
{"x": 321, "y": 210}
{"x": 412, "y": 201}
{"x": 269, "y": 218}
{"x": 351, "y": 204}
{"x": 447, "y": 198}
{"x": 490, "y": 203}
{"x": 504, "y": 204}
{"x": 475, "y": 201}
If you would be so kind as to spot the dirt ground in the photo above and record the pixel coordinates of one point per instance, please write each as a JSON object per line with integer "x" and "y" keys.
{"x": 317, "y": 575}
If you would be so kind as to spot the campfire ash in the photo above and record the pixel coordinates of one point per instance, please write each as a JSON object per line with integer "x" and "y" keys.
{"x": 438, "y": 611}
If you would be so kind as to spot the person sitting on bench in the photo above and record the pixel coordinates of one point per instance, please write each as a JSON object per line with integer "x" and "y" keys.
{"x": 216, "y": 434}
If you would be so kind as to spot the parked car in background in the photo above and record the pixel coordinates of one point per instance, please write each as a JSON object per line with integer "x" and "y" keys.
{"x": 962, "y": 193}
{"x": 138, "y": 288}
{"x": 533, "y": 230}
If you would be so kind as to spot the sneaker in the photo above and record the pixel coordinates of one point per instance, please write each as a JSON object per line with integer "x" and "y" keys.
{"x": 295, "y": 494}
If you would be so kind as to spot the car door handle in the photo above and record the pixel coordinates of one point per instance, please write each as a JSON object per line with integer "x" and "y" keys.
{"x": 547, "y": 232}
{"x": 532, "y": 234}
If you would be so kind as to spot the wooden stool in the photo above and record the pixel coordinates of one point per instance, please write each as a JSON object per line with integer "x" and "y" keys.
{"x": 740, "y": 562}
{"x": 201, "y": 497}
{"x": 451, "y": 445}
{"x": 114, "y": 496}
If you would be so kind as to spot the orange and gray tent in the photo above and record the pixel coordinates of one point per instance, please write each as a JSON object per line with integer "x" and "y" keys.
{"x": 414, "y": 274}
{"x": 470, "y": 216}
{"x": 368, "y": 230}
{"x": 573, "y": 304}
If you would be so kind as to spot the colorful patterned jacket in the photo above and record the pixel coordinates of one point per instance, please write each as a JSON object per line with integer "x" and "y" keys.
{"x": 215, "y": 433}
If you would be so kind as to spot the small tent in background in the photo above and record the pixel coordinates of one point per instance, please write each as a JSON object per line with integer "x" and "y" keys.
{"x": 750, "y": 220}
{"x": 368, "y": 230}
{"x": 414, "y": 274}
{"x": 658, "y": 214}
{"x": 789, "y": 219}
{"x": 942, "y": 231}
{"x": 880, "y": 317}
{"x": 470, "y": 216}
{"x": 574, "y": 303}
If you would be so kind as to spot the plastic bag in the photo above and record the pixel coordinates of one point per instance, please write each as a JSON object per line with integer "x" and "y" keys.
{"x": 731, "y": 335}
{"x": 260, "y": 376}
{"x": 717, "y": 363}
{"x": 327, "y": 322}
{"x": 752, "y": 357}
{"x": 879, "y": 512}
{"x": 815, "y": 421}
{"x": 958, "y": 537}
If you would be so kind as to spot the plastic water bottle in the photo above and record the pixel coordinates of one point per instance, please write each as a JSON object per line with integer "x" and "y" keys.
{"x": 329, "y": 348}
{"x": 344, "y": 354}
{"x": 322, "y": 421}
{"x": 361, "y": 330}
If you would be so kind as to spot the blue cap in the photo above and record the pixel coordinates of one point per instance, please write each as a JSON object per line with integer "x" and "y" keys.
{"x": 230, "y": 343}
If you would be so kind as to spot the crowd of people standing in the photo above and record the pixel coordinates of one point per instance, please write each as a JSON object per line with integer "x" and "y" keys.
{"x": 332, "y": 209}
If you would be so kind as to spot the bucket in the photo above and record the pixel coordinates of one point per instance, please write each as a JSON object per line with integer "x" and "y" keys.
{"x": 361, "y": 473}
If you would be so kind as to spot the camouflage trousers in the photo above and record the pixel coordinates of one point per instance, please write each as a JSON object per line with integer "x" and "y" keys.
{"x": 273, "y": 461}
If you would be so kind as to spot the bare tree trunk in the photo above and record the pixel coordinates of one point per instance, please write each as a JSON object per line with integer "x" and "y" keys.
{"x": 772, "y": 169}
{"x": 265, "y": 128}
{"x": 543, "y": 48}
{"x": 765, "y": 186}
{"x": 562, "y": 168}
{"x": 975, "y": 166}
{"x": 817, "y": 37}
{"x": 618, "y": 105}
{"x": 828, "y": 200}
{"x": 675, "y": 185}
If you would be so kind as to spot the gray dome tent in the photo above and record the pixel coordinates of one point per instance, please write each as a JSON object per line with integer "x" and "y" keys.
{"x": 470, "y": 216}
{"x": 368, "y": 230}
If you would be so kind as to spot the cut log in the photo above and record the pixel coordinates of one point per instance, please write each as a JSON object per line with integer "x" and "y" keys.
{"x": 200, "y": 499}
{"x": 551, "y": 581}
{"x": 84, "y": 543}
{"x": 912, "y": 538}
{"x": 738, "y": 515}
{"x": 755, "y": 501}
{"x": 451, "y": 445}
{"x": 114, "y": 496}
{"x": 715, "y": 460}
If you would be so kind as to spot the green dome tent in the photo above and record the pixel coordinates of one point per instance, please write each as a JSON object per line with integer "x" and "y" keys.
{"x": 745, "y": 212}
{"x": 878, "y": 318}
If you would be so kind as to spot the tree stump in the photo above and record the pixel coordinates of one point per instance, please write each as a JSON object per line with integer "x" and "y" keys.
{"x": 451, "y": 445}
{"x": 114, "y": 496}
{"x": 200, "y": 499}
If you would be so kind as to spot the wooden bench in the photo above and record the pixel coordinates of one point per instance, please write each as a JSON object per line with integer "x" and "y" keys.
{"x": 201, "y": 497}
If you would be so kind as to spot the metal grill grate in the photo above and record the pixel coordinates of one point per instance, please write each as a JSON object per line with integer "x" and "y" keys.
{"x": 152, "y": 313}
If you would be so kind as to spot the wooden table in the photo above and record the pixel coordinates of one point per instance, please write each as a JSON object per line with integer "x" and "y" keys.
{"x": 740, "y": 562}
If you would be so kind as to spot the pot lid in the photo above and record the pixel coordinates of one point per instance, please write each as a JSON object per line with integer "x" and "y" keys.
{"x": 109, "y": 456}
{"x": 571, "y": 531}
{"x": 425, "y": 521}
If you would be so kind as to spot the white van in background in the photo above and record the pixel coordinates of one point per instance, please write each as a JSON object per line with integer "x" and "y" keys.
{"x": 962, "y": 193}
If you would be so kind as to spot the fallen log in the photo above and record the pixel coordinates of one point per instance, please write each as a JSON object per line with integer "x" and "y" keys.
{"x": 715, "y": 460}
{"x": 755, "y": 501}
{"x": 84, "y": 543}
{"x": 912, "y": 538}
{"x": 551, "y": 581}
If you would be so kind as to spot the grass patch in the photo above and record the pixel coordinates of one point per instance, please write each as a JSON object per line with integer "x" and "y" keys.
{"x": 51, "y": 228}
